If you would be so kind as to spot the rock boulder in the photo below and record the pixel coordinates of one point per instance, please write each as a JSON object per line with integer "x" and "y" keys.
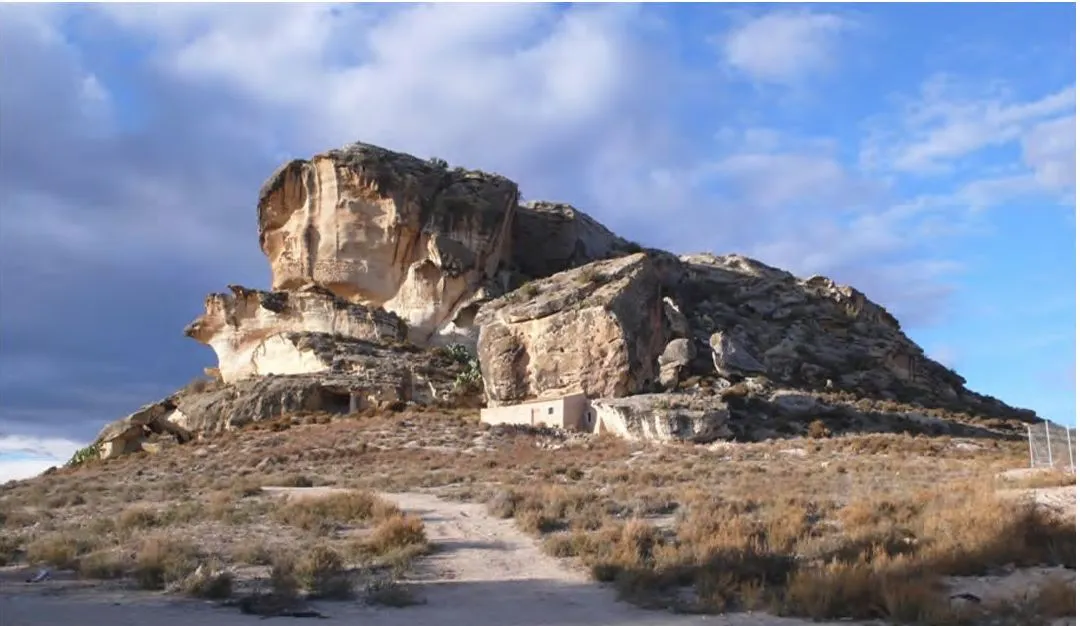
{"x": 597, "y": 329}
{"x": 550, "y": 237}
{"x": 663, "y": 417}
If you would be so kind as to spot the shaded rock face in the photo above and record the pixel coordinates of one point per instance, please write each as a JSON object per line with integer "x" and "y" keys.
{"x": 356, "y": 375}
{"x": 247, "y": 329}
{"x": 597, "y": 329}
{"x": 812, "y": 334}
{"x": 136, "y": 432}
{"x": 389, "y": 230}
{"x": 675, "y": 360}
{"x": 731, "y": 359}
{"x": 664, "y": 417}
{"x": 550, "y": 237}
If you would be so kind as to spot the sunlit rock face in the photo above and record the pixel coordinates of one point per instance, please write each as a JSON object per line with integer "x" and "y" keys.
{"x": 386, "y": 229}
{"x": 248, "y": 329}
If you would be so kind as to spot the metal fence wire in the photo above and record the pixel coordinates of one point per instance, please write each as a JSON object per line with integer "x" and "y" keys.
{"x": 1052, "y": 445}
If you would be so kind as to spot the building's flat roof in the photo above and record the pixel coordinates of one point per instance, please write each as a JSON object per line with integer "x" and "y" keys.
{"x": 536, "y": 401}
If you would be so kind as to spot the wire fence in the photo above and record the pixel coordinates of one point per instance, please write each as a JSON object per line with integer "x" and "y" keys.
{"x": 1053, "y": 446}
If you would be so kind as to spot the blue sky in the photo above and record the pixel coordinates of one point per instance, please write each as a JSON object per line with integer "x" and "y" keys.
{"x": 924, "y": 153}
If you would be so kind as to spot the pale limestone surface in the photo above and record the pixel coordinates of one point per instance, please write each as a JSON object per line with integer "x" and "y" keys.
{"x": 386, "y": 229}
{"x": 246, "y": 328}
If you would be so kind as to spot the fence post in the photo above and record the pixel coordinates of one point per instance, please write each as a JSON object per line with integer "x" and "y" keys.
{"x": 1068, "y": 441}
{"x": 1031, "y": 446}
{"x": 1049, "y": 447}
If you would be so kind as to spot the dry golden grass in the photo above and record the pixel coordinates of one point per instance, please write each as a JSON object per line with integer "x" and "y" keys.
{"x": 839, "y": 526}
{"x": 1037, "y": 480}
{"x": 327, "y": 513}
{"x": 321, "y": 572}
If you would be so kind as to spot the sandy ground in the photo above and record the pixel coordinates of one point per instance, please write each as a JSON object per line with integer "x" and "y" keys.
{"x": 485, "y": 573}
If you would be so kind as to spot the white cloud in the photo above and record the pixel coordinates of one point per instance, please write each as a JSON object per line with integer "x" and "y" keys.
{"x": 1050, "y": 151}
{"x": 575, "y": 103}
{"x": 948, "y": 122}
{"x": 25, "y": 457}
{"x": 785, "y": 46}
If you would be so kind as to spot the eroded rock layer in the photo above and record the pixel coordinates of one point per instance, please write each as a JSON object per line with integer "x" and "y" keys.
{"x": 597, "y": 329}
{"x": 387, "y": 229}
{"x": 248, "y": 329}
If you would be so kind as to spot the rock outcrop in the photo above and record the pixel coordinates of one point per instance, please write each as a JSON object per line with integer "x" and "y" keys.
{"x": 389, "y": 230}
{"x": 550, "y": 237}
{"x": 355, "y": 375}
{"x": 248, "y": 329}
{"x": 137, "y": 432}
{"x": 663, "y": 417}
{"x": 806, "y": 333}
{"x": 597, "y": 329}
{"x": 376, "y": 256}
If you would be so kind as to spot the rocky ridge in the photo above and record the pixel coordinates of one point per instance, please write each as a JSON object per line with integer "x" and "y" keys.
{"x": 397, "y": 280}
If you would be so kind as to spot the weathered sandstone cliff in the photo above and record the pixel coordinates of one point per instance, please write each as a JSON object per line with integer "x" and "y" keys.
{"x": 597, "y": 329}
{"x": 248, "y": 328}
{"x": 389, "y": 230}
{"x": 378, "y": 258}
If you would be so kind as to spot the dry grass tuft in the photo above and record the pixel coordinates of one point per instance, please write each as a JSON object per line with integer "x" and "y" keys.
{"x": 1056, "y": 597}
{"x": 326, "y": 513}
{"x": 398, "y": 532}
{"x": 161, "y": 561}
{"x": 321, "y": 572}
{"x": 61, "y": 550}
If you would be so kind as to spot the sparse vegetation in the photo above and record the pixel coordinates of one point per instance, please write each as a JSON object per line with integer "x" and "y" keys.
{"x": 84, "y": 455}
{"x": 326, "y": 513}
{"x": 849, "y": 526}
{"x": 321, "y": 572}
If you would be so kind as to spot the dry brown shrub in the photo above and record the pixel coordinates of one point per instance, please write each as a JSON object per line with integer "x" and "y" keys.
{"x": 161, "y": 561}
{"x": 104, "y": 564}
{"x": 61, "y": 549}
{"x": 322, "y": 572}
{"x": 324, "y": 513}
{"x": 1056, "y": 597}
{"x": 138, "y": 516}
{"x": 397, "y": 533}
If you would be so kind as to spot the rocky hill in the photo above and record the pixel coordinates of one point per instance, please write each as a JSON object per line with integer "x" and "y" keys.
{"x": 397, "y": 280}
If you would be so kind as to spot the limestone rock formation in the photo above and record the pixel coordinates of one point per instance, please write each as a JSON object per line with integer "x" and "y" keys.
{"x": 549, "y": 237}
{"x": 676, "y": 359}
{"x": 135, "y": 432}
{"x": 376, "y": 255}
{"x": 731, "y": 359}
{"x": 806, "y": 333}
{"x": 389, "y": 230}
{"x": 247, "y": 329}
{"x": 597, "y": 329}
{"x": 355, "y": 375}
{"x": 664, "y": 417}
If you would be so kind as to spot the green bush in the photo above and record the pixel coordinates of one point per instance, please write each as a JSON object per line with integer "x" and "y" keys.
{"x": 82, "y": 455}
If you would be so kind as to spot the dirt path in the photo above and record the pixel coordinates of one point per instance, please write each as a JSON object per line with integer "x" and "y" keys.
{"x": 484, "y": 573}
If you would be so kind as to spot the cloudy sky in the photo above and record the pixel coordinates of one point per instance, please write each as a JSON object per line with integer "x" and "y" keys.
{"x": 923, "y": 153}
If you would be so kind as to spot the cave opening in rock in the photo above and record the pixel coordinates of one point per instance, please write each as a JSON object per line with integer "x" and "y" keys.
{"x": 335, "y": 401}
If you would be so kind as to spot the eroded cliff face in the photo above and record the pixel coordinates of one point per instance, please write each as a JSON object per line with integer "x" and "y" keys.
{"x": 386, "y": 229}
{"x": 654, "y": 321}
{"x": 375, "y": 254}
{"x": 808, "y": 333}
{"x": 248, "y": 329}
{"x": 552, "y": 237}
{"x": 598, "y": 329}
